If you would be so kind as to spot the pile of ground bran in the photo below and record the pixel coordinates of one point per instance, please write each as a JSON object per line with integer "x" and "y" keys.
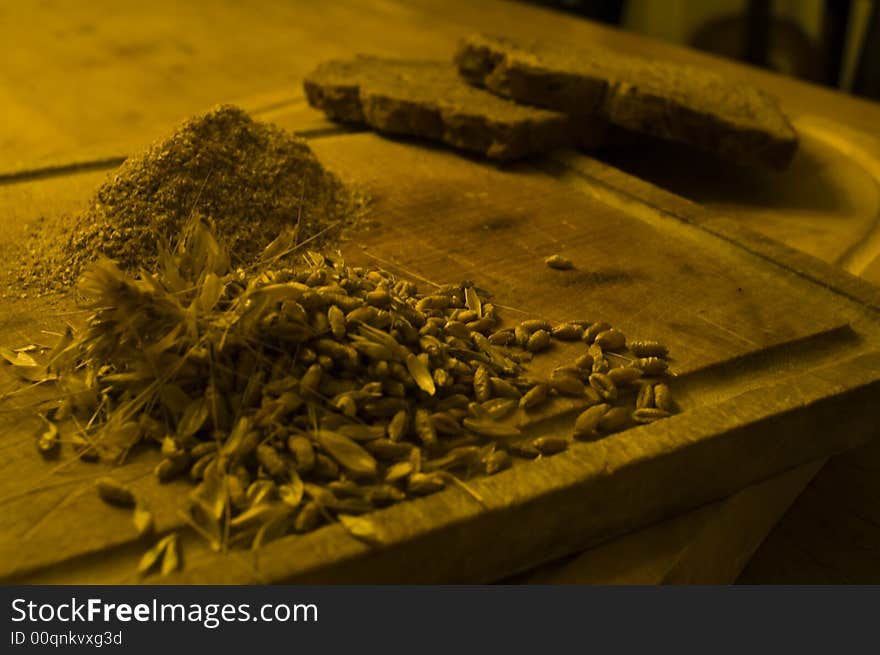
{"x": 248, "y": 180}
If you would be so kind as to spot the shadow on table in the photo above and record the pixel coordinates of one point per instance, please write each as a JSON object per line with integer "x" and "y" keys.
{"x": 704, "y": 178}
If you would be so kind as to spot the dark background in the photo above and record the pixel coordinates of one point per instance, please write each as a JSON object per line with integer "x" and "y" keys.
{"x": 831, "y": 42}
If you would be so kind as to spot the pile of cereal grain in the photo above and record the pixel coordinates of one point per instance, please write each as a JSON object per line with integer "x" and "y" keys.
{"x": 314, "y": 392}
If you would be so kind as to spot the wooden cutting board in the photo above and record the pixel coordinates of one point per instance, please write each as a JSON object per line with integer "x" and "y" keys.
{"x": 826, "y": 204}
{"x": 775, "y": 358}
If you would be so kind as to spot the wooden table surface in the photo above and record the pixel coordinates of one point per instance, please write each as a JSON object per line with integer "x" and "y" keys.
{"x": 85, "y": 84}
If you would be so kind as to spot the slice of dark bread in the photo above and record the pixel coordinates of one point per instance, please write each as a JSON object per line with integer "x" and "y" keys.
{"x": 673, "y": 101}
{"x": 429, "y": 99}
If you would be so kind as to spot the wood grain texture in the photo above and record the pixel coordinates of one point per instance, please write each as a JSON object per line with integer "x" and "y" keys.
{"x": 117, "y": 75}
{"x": 622, "y": 189}
{"x": 709, "y": 545}
{"x": 564, "y": 503}
{"x": 827, "y": 204}
{"x": 79, "y": 75}
{"x": 141, "y": 72}
{"x": 769, "y": 370}
{"x": 70, "y": 99}
{"x": 85, "y": 85}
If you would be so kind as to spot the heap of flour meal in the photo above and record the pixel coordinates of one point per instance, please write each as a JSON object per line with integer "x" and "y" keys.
{"x": 249, "y": 180}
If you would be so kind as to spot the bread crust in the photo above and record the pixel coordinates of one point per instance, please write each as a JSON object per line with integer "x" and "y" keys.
{"x": 429, "y": 99}
{"x": 735, "y": 121}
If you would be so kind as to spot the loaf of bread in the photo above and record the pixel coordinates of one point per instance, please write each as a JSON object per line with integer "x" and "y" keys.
{"x": 736, "y": 121}
{"x": 429, "y": 99}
